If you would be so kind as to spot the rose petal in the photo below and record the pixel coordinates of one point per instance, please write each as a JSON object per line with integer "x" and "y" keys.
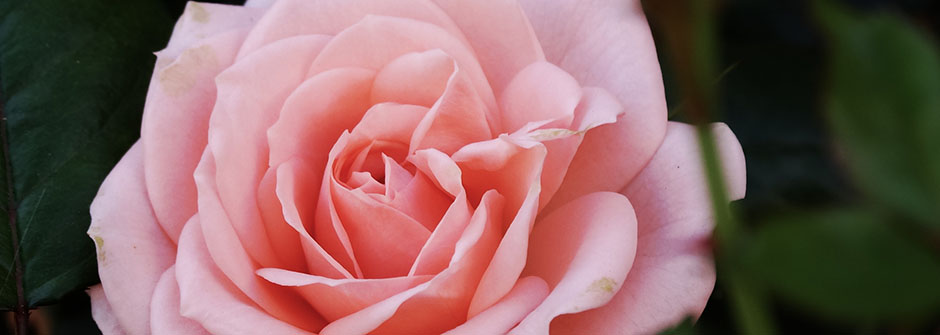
{"x": 499, "y": 33}
{"x": 375, "y": 41}
{"x": 448, "y": 293}
{"x": 165, "y": 315}
{"x": 251, "y": 94}
{"x": 518, "y": 178}
{"x": 175, "y": 120}
{"x": 588, "y": 39}
{"x": 259, "y": 3}
{"x": 540, "y": 91}
{"x": 232, "y": 257}
{"x": 457, "y": 118}
{"x": 297, "y": 200}
{"x": 607, "y": 159}
{"x": 416, "y": 78}
{"x": 334, "y": 298}
{"x": 288, "y": 248}
{"x": 209, "y": 298}
{"x": 673, "y": 274}
{"x": 332, "y": 101}
{"x": 288, "y": 18}
{"x": 384, "y": 240}
{"x": 133, "y": 250}
{"x": 437, "y": 252}
{"x": 201, "y": 20}
{"x": 505, "y": 314}
{"x": 423, "y": 201}
{"x": 584, "y": 251}
{"x": 102, "y": 313}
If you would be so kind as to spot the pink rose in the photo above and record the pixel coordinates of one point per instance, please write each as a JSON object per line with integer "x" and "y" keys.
{"x": 407, "y": 167}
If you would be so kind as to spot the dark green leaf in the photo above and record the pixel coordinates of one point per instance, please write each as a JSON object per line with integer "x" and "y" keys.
{"x": 848, "y": 265}
{"x": 686, "y": 327}
{"x": 74, "y": 74}
{"x": 884, "y": 105}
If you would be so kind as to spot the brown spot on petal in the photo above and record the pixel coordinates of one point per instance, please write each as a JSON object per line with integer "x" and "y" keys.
{"x": 198, "y": 12}
{"x": 180, "y": 76}
{"x": 99, "y": 244}
{"x": 552, "y": 134}
{"x": 605, "y": 285}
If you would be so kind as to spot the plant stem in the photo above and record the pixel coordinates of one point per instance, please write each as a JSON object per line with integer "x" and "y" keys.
{"x": 21, "y": 310}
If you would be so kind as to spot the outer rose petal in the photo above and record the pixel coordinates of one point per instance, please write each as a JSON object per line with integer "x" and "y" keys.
{"x": 133, "y": 251}
{"x": 180, "y": 98}
{"x": 288, "y": 18}
{"x": 673, "y": 274}
{"x": 209, "y": 298}
{"x": 165, "y": 308}
{"x": 588, "y": 38}
{"x": 102, "y": 313}
{"x": 503, "y": 315}
{"x": 584, "y": 250}
{"x": 175, "y": 120}
{"x": 499, "y": 33}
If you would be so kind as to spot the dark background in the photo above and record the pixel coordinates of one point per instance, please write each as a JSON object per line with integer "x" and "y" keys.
{"x": 773, "y": 57}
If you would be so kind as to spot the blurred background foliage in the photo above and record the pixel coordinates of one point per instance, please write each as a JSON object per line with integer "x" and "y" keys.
{"x": 837, "y": 107}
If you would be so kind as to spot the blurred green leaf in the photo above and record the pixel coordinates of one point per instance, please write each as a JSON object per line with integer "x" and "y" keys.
{"x": 847, "y": 265}
{"x": 884, "y": 106}
{"x": 685, "y": 327}
{"x": 74, "y": 74}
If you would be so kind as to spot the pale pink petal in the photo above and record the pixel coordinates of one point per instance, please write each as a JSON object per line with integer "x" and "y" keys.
{"x": 133, "y": 250}
{"x": 201, "y": 20}
{"x": 375, "y": 41}
{"x": 288, "y": 18}
{"x": 101, "y": 312}
{"x": 606, "y": 44}
{"x": 607, "y": 159}
{"x": 288, "y": 248}
{"x": 509, "y": 311}
{"x": 327, "y": 226}
{"x": 448, "y": 293}
{"x": 540, "y": 91}
{"x": 437, "y": 252}
{"x": 297, "y": 200}
{"x": 503, "y": 165}
{"x": 334, "y": 298}
{"x": 423, "y": 201}
{"x": 597, "y": 107}
{"x": 250, "y": 96}
{"x": 176, "y": 121}
{"x": 232, "y": 257}
{"x": 457, "y": 118}
{"x": 416, "y": 78}
{"x": 673, "y": 274}
{"x": 584, "y": 251}
{"x": 330, "y": 102}
{"x": 259, "y": 3}
{"x": 387, "y": 122}
{"x": 518, "y": 179}
{"x": 499, "y": 33}
{"x": 561, "y": 146}
{"x": 439, "y": 248}
{"x": 384, "y": 240}
{"x": 165, "y": 315}
{"x": 209, "y": 298}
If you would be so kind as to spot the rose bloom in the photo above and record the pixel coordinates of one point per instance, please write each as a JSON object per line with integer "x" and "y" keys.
{"x": 407, "y": 167}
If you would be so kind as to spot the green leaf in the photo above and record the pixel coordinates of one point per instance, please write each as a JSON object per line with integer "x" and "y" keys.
{"x": 884, "y": 106}
{"x": 848, "y": 265}
{"x": 685, "y": 327}
{"x": 74, "y": 74}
